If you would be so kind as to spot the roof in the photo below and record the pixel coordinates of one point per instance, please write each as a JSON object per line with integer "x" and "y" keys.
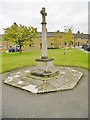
{"x": 82, "y": 36}
{"x": 50, "y": 34}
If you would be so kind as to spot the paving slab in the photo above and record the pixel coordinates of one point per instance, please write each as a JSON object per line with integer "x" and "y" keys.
{"x": 67, "y": 78}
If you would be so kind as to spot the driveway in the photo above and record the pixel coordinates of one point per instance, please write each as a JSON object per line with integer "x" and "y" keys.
{"x": 18, "y": 103}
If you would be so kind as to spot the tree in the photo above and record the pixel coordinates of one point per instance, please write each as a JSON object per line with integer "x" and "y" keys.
{"x": 57, "y": 38}
{"x": 69, "y": 37}
{"x": 20, "y": 34}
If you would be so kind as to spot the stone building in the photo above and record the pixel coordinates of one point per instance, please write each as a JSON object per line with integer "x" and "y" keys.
{"x": 79, "y": 39}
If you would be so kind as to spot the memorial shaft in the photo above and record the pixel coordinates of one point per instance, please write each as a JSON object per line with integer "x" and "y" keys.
{"x": 44, "y": 35}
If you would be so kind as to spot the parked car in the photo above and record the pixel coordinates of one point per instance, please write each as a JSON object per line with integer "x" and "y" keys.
{"x": 1, "y": 47}
{"x": 51, "y": 47}
{"x": 11, "y": 49}
{"x": 84, "y": 45}
{"x": 87, "y": 47}
{"x": 14, "y": 49}
{"x": 17, "y": 48}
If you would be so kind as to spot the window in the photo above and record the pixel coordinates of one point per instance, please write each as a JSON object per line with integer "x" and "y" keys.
{"x": 31, "y": 45}
{"x": 40, "y": 45}
{"x": 51, "y": 44}
{"x": 65, "y": 43}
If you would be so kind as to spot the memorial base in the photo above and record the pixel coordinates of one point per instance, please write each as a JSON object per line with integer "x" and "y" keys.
{"x": 66, "y": 79}
{"x": 44, "y": 68}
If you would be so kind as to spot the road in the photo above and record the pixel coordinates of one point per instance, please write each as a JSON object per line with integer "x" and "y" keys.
{"x": 18, "y": 103}
{"x": 80, "y": 48}
{"x": 0, "y": 97}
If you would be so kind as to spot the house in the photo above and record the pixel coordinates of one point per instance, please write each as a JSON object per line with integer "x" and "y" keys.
{"x": 78, "y": 40}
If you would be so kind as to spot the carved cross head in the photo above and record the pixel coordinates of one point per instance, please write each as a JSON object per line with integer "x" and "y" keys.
{"x": 43, "y": 14}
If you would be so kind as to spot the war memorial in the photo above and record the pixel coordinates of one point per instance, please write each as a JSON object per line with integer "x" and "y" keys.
{"x": 45, "y": 76}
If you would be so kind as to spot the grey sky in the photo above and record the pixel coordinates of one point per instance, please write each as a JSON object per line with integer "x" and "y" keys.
{"x": 60, "y": 13}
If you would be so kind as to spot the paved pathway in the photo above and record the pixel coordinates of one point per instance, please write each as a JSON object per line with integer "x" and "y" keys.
{"x": 18, "y": 103}
{"x": 80, "y": 48}
{"x": 0, "y": 97}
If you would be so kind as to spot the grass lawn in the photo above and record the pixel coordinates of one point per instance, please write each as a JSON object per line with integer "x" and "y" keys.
{"x": 11, "y": 61}
{"x": 0, "y": 39}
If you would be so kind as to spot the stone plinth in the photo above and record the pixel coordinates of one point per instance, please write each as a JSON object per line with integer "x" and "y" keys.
{"x": 44, "y": 68}
{"x": 44, "y": 62}
{"x": 66, "y": 79}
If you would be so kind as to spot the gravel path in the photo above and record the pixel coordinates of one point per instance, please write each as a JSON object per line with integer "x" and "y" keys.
{"x": 18, "y": 103}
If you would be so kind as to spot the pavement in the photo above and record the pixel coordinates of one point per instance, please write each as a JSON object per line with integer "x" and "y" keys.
{"x": 19, "y": 103}
{"x": 80, "y": 48}
{"x": 0, "y": 97}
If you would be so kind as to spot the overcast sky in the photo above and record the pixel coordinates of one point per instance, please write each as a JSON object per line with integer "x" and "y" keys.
{"x": 60, "y": 13}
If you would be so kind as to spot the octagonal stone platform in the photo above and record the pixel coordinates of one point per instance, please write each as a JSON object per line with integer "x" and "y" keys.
{"x": 67, "y": 78}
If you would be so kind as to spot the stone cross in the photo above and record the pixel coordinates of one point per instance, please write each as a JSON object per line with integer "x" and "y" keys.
{"x": 43, "y": 15}
{"x": 44, "y": 34}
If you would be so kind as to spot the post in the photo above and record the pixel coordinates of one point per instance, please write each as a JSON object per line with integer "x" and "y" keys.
{"x": 44, "y": 35}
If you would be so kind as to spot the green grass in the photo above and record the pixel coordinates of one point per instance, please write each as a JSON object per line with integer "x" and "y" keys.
{"x": 72, "y": 58}
{"x": 11, "y": 61}
{"x": 0, "y": 39}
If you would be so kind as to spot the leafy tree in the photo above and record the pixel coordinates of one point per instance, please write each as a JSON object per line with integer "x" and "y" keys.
{"x": 57, "y": 38}
{"x": 68, "y": 36}
{"x": 20, "y": 34}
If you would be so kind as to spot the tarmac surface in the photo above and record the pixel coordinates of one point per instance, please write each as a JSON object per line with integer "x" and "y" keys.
{"x": 0, "y": 97}
{"x": 19, "y": 103}
{"x": 80, "y": 48}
